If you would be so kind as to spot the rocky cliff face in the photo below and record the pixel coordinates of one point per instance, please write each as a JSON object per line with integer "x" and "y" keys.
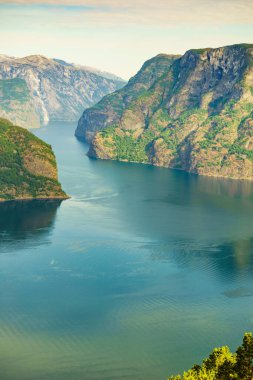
{"x": 28, "y": 168}
{"x": 111, "y": 108}
{"x": 195, "y": 115}
{"x": 59, "y": 90}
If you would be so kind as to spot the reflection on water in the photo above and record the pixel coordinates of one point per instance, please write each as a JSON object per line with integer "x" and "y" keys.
{"x": 227, "y": 187}
{"x": 180, "y": 212}
{"x": 26, "y": 220}
{"x": 229, "y": 261}
{"x": 141, "y": 273}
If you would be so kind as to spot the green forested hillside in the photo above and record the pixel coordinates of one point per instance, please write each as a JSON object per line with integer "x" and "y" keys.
{"x": 27, "y": 165}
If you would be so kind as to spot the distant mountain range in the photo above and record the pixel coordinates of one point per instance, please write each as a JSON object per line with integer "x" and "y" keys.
{"x": 35, "y": 90}
{"x": 193, "y": 113}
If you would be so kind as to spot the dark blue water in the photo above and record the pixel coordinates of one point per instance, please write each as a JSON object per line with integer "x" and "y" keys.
{"x": 138, "y": 276}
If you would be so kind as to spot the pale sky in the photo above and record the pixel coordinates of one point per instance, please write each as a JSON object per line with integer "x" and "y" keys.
{"x": 119, "y": 35}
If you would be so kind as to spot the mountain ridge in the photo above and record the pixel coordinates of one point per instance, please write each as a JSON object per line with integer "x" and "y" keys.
{"x": 196, "y": 115}
{"x": 37, "y": 58}
{"x": 140, "y": 82}
{"x": 58, "y": 91}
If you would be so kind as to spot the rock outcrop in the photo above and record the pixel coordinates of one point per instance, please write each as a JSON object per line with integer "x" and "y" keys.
{"x": 28, "y": 168}
{"x": 58, "y": 90}
{"x": 193, "y": 113}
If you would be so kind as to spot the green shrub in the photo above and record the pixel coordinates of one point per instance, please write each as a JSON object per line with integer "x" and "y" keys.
{"x": 223, "y": 364}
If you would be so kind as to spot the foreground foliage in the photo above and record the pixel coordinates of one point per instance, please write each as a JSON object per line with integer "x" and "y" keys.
{"x": 224, "y": 365}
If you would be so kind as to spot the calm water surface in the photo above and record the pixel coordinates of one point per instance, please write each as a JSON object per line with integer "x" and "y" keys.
{"x": 137, "y": 276}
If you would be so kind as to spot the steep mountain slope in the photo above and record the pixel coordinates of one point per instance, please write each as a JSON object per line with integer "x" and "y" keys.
{"x": 28, "y": 167}
{"x": 110, "y": 109}
{"x": 59, "y": 91}
{"x": 15, "y": 95}
{"x": 197, "y": 116}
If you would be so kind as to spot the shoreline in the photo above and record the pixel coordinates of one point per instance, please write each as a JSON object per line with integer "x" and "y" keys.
{"x": 217, "y": 176}
{"x": 35, "y": 199}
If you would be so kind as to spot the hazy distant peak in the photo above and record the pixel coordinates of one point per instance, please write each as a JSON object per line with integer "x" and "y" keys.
{"x": 58, "y": 90}
{"x": 35, "y": 60}
{"x": 63, "y": 63}
{"x": 104, "y": 74}
{"x": 42, "y": 61}
{"x": 4, "y": 58}
{"x": 101, "y": 73}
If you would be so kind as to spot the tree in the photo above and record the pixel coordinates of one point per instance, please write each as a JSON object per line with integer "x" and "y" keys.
{"x": 222, "y": 364}
{"x": 244, "y": 358}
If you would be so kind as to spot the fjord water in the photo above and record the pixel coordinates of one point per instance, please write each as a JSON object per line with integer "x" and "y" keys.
{"x": 137, "y": 276}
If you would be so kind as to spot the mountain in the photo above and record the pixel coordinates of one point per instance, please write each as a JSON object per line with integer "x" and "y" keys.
{"x": 15, "y": 95}
{"x": 28, "y": 168}
{"x": 93, "y": 70}
{"x": 110, "y": 109}
{"x": 193, "y": 113}
{"x": 58, "y": 90}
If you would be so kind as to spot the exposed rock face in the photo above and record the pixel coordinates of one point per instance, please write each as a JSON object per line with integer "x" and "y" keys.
{"x": 59, "y": 90}
{"x": 196, "y": 115}
{"x": 28, "y": 168}
{"x": 110, "y": 109}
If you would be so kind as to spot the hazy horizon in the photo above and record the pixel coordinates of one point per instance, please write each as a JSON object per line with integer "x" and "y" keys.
{"x": 112, "y": 36}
